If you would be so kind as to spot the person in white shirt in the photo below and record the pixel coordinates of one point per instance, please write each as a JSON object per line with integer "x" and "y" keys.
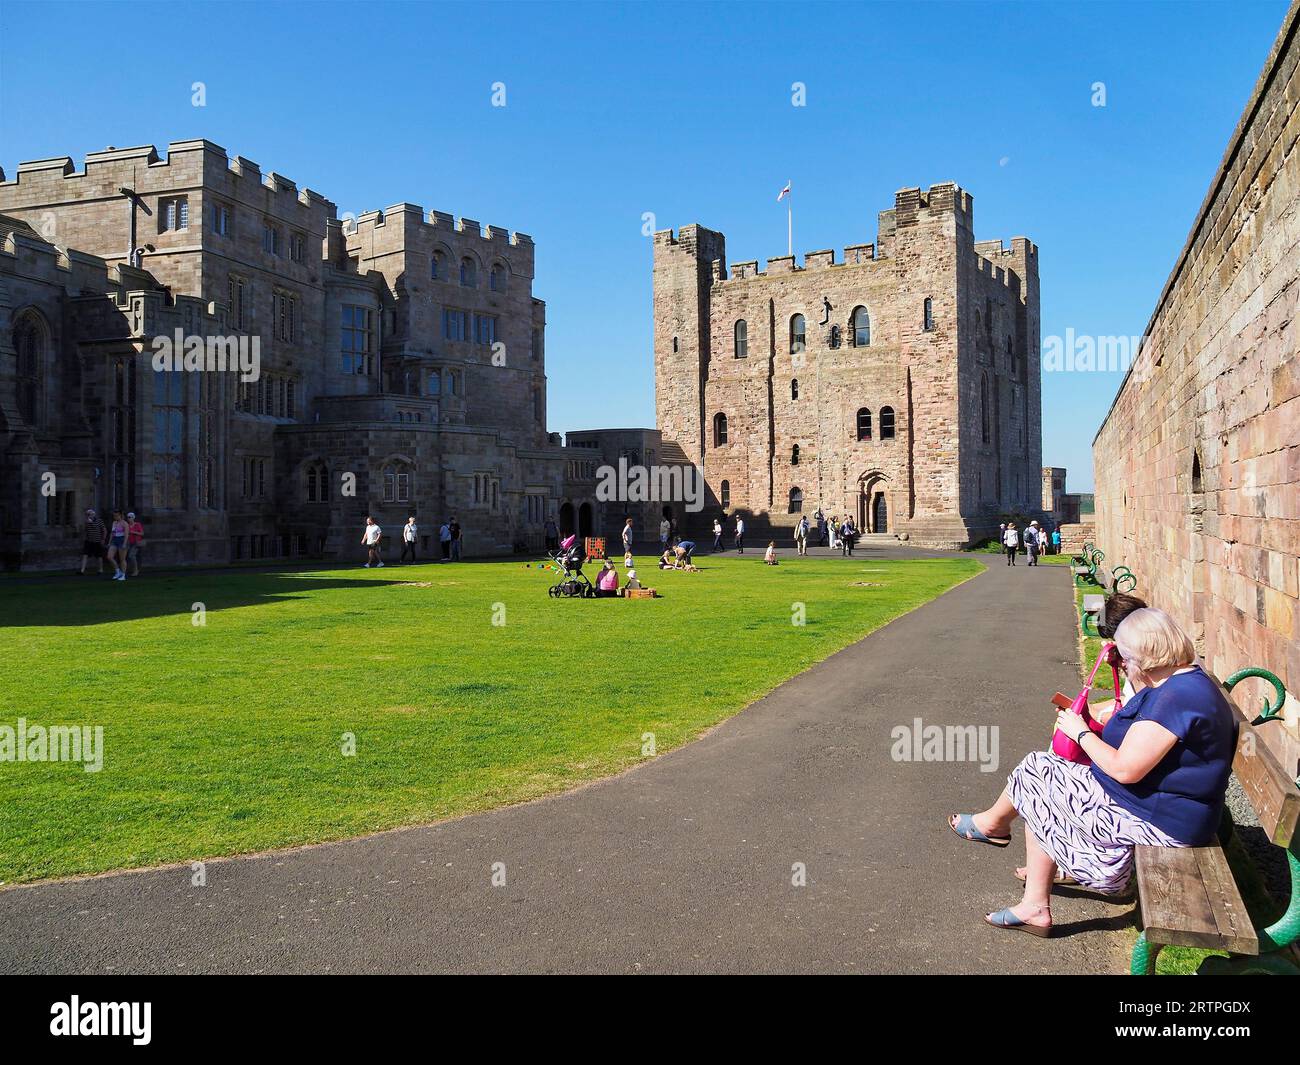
{"x": 627, "y": 536}
{"x": 1011, "y": 541}
{"x": 740, "y": 534}
{"x": 801, "y": 535}
{"x": 410, "y": 531}
{"x": 717, "y": 535}
{"x": 665, "y": 528}
{"x": 444, "y": 539}
{"x": 370, "y": 538}
{"x": 1032, "y": 542}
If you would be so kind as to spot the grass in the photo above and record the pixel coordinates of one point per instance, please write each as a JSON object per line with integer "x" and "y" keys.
{"x": 227, "y": 738}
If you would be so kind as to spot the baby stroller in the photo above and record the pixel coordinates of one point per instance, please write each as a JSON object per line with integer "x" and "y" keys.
{"x": 572, "y": 582}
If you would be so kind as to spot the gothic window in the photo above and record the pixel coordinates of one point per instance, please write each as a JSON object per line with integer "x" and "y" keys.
{"x": 864, "y": 424}
{"x": 397, "y": 483}
{"x": 169, "y": 440}
{"x": 497, "y": 279}
{"x": 797, "y": 334}
{"x": 435, "y": 382}
{"x": 794, "y": 388}
{"x": 468, "y": 273}
{"x": 122, "y": 439}
{"x": 437, "y": 267}
{"x": 742, "y": 339}
{"x": 861, "y": 328}
{"x": 796, "y": 500}
{"x": 719, "y": 429}
{"x": 928, "y": 315}
{"x": 724, "y": 493}
{"x": 29, "y": 343}
{"x": 886, "y": 423}
{"x": 318, "y": 483}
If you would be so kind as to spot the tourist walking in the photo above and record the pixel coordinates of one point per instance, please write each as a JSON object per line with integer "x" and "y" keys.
{"x": 1056, "y": 541}
{"x": 801, "y": 536}
{"x": 409, "y": 533}
{"x": 1011, "y": 541}
{"x": 717, "y": 535}
{"x": 444, "y": 540}
{"x": 1033, "y": 542}
{"x": 740, "y": 534}
{"x": 552, "y": 532}
{"x": 835, "y": 532}
{"x": 848, "y": 534}
{"x": 456, "y": 538}
{"x": 370, "y": 540}
{"x": 93, "y": 537}
{"x": 134, "y": 542}
{"x": 823, "y": 530}
{"x": 627, "y": 538}
{"x": 665, "y": 530}
{"x": 116, "y": 553}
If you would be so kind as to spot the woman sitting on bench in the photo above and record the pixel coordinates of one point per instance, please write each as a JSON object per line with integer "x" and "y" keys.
{"x": 1158, "y": 776}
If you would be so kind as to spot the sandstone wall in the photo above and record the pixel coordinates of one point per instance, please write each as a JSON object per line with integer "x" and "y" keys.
{"x": 1198, "y": 462}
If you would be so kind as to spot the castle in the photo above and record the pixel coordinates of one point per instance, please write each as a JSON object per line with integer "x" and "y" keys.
{"x": 899, "y": 386}
{"x": 402, "y": 367}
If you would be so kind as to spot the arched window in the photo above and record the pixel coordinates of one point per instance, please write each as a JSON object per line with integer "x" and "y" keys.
{"x": 835, "y": 336}
{"x": 497, "y": 279}
{"x": 928, "y": 315}
{"x": 724, "y": 493}
{"x": 794, "y": 455}
{"x": 438, "y": 267}
{"x": 864, "y": 424}
{"x": 797, "y": 334}
{"x": 886, "y": 423}
{"x": 468, "y": 273}
{"x": 794, "y": 388}
{"x": 796, "y": 500}
{"x": 719, "y": 429}
{"x": 741, "y": 333}
{"x": 29, "y": 343}
{"x": 861, "y": 328}
{"x": 397, "y": 483}
{"x": 984, "y": 408}
{"x": 318, "y": 483}
{"x": 435, "y": 382}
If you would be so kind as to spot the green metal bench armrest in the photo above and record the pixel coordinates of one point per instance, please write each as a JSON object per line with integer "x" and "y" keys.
{"x": 1125, "y": 583}
{"x": 1269, "y": 712}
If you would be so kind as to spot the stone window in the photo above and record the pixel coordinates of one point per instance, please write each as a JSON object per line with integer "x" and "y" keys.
{"x": 235, "y": 296}
{"x": 724, "y": 493}
{"x": 719, "y": 429}
{"x": 297, "y": 246}
{"x": 861, "y": 328}
{"x": 437, "y": 266}
{"x": 497, "y": 279}
{"x": 674, "y": 345}
{"x": 796, "y": 500}
{"x": 741, "y": 332}
{"x": 284, "y": 316}
{"x": 174, "y": 213}
{"x": 357, "y": 341}
{"x": 397, "y": 483}
{"x": 864, "y": 423}
{"x": 485, "y": 328}
{"x": 984, "y": 408}
{"x": 455, "y": 324}
{"x": 797, "y": 335}
{"x": 537, "y": 405}
{"x": 928, "y": 315}
{"x": 886, "y": 423}
{"x": 270, "y": 238}
{"x": 1198, "y": 482}
{"x": 435, "y": 382}
{"x": 468, "y": 273}
{"x": 210, "y": 388}
{"x": 794, "y": 455}
{"x": 254, "y": 480}
{"x": 318, "y": 483}
{"x": 169, "y": 440}
{"x": 220, "y": 217}
{"x": 122, "y": 433}
{"x": 794, "y": 388}
{"x": 29, "y": 343}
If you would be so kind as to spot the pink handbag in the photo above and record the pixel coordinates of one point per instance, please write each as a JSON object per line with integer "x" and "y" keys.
{"x": 1064, "y": 746}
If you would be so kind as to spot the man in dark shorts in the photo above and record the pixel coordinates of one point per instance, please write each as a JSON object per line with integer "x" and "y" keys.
{"x": 93, "y": 538}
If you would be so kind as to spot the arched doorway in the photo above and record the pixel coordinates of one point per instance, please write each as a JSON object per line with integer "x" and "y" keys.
{"x": 879, "y": 514}
{"x": 873, "y": 503}
{"x": 566, "y": 519}
{"x": 584, "y": 520}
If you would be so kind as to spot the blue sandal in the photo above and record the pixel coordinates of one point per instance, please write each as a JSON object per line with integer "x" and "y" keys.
{"x": 1007, "y": 919}
{"x": 966, "y": 828}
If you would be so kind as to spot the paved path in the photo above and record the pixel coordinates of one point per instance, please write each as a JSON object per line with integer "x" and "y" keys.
{"x": 683, "y": 864}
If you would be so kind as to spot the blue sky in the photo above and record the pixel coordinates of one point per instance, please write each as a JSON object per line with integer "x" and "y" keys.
{"x": 684, "y": 110}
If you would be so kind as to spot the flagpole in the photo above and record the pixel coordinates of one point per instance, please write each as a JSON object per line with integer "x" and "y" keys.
{"x": 789, "y": 221}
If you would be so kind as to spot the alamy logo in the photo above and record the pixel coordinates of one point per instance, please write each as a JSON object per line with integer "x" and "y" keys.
{"x": 58, "y": 743}
{"x": 651, "y": 484}
{"x": 946, "y": 743}
{"x": 213, "y": 354}
{"x": 134, "y": 1019}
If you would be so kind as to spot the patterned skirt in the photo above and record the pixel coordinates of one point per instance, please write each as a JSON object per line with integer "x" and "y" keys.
{"x": 1088, "y": 835}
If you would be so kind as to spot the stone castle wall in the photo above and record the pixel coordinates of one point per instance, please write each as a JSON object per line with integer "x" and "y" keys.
{"x": 1198, "y": 462}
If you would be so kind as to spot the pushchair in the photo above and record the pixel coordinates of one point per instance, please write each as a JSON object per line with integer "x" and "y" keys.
{"x": 568, "y": 560}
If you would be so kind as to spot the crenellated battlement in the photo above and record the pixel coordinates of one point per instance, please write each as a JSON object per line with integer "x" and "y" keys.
{"x": 440, "y": 224}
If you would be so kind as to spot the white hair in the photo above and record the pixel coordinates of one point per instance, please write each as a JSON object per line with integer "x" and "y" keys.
{"x": 1151, "y": 639}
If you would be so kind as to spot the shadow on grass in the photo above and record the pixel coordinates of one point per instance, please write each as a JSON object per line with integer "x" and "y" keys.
{"x": 101, "y": 601}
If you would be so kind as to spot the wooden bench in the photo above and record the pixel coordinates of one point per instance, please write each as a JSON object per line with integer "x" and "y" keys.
{"x": 1188, "y": 896}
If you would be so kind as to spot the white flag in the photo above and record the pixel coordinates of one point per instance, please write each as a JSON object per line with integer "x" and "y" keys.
{"x": 783, "y": 193}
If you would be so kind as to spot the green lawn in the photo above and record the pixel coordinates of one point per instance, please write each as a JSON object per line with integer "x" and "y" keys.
{"x": 227, "y": 738}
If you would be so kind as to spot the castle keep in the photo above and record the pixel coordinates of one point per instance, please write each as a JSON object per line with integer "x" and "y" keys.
{"x": 402, "y": 366}
{"x": 899, "y": 386}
